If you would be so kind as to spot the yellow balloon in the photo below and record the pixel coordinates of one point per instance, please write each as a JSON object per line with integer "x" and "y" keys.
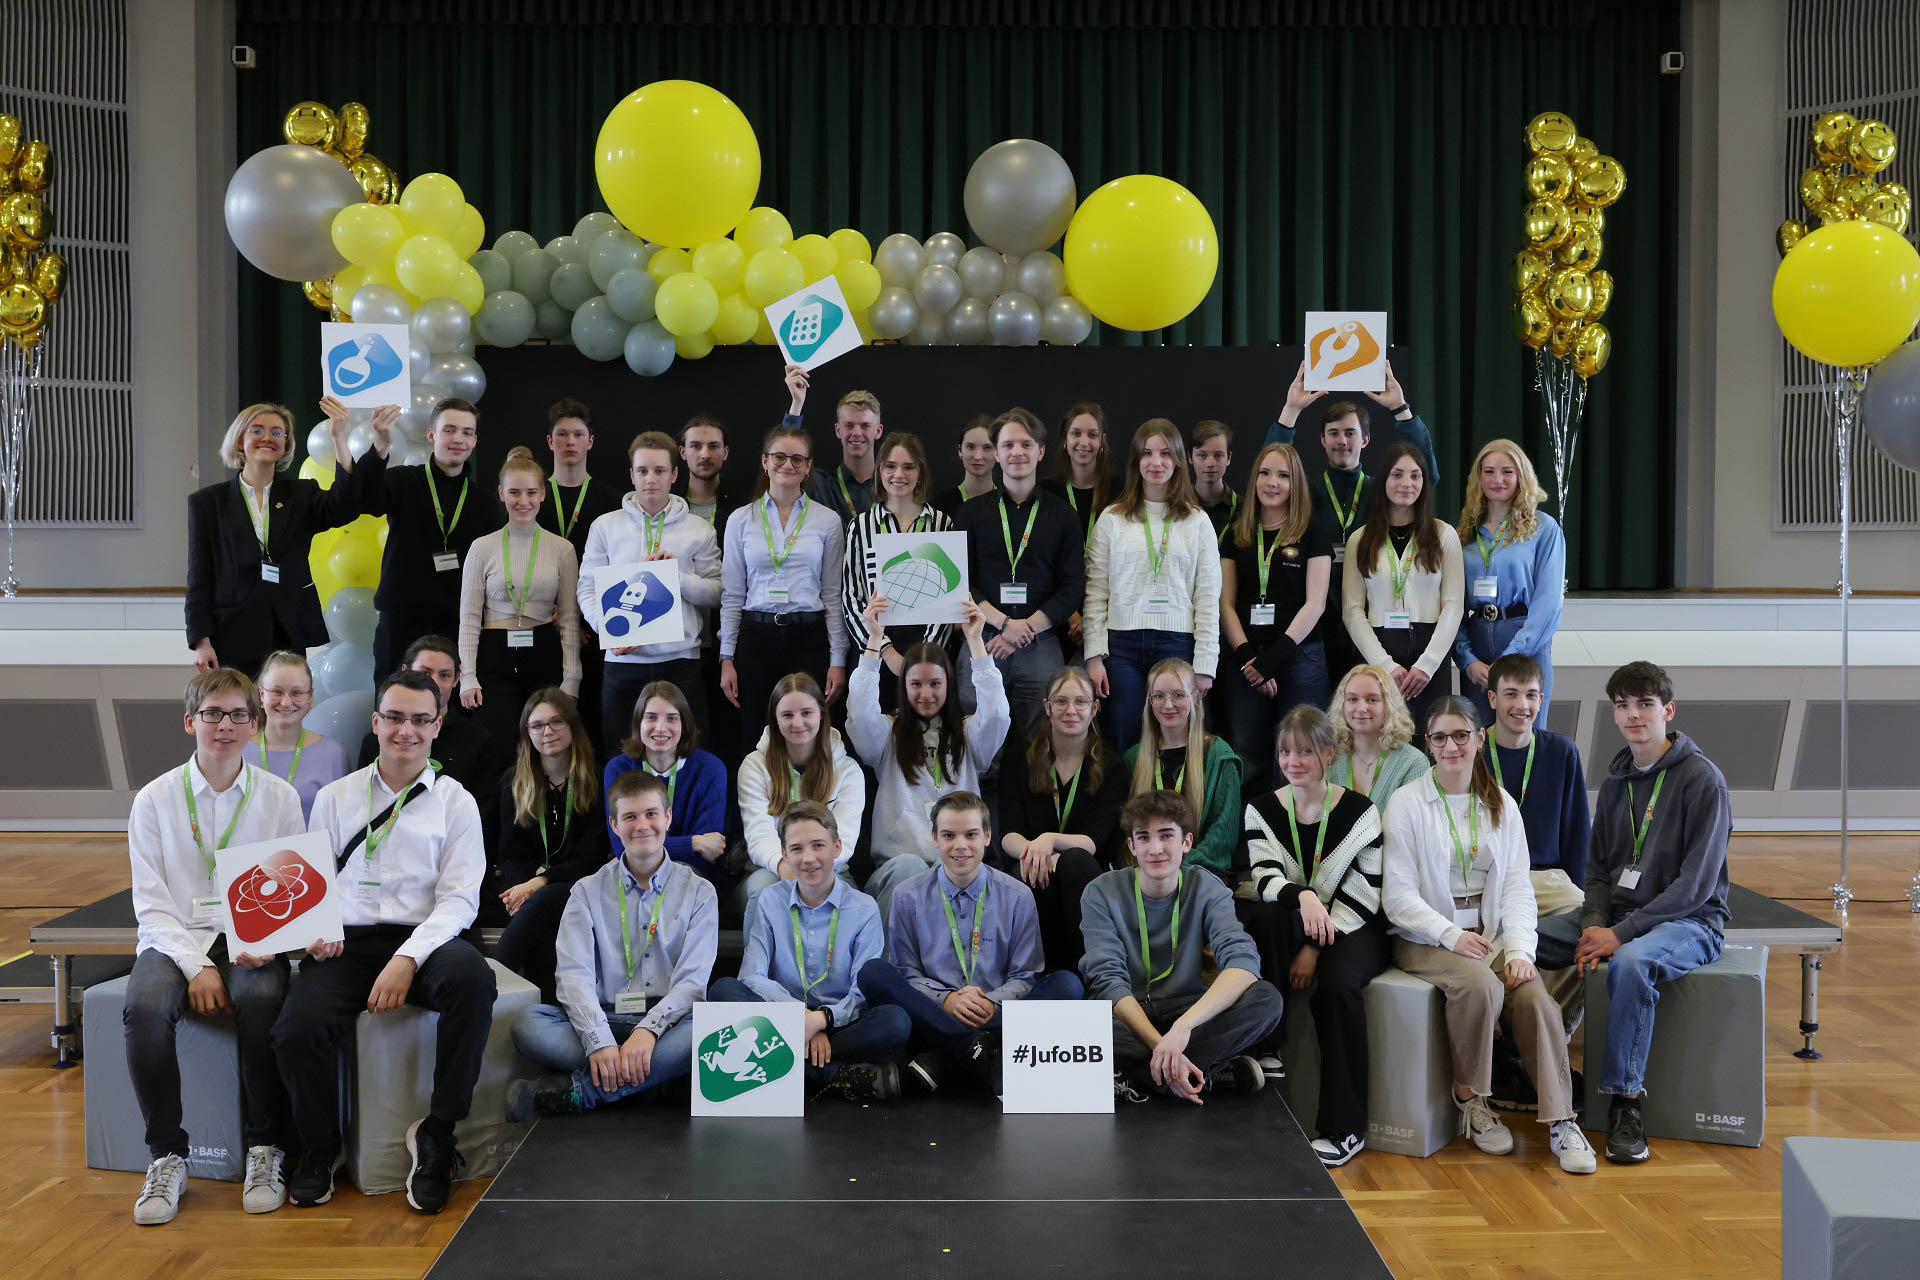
{"x": 763, "y": 335}
{"x": 320, "y": 553}
{"x": 860, "y": 283}
{"x": 377, "y": 182}
{"x": 1884, "y": 206}
{"x": 723, "y": 263}
{"x": 1848, "y": 294}
{"x": 1853, "y": 190}
{"x": 1548, "y": 222}
{"x": 851, "y": 246}
{"x": 1581, "y": 249}
{"x": 1530, "y": 268}
{"x": 469, "y": 290}
{"x": 321, "y": 475}
{"x": 368, "y": 235}
{"x": 1141, "y": 252}
{"x": 319, "y": 293}
{"x": 737, "y": 320}
{"x": 1551, "y": 131}
{"x": 1791, "y": 233}
{"x": 355, "y": 562}
{"x": 1831, "y": 133}
{"x": 1582, "y": 149}
{"x": 763, "y": 228}
{"x": 677, "y": 162}
{"x": 1591, "y": 349}
{"x": 1549, "y": 177}
{"x": 668, "y": 263}
{"x": 471, "y": 234}
{"x": 310, "y": 124}
{"x": 355, "y": 121}
{"x": 433, "y": 205}
{"x": 772, "y": 274}
{"x": 1871, "y": 146}
{"x": 1569, "y": 293}
{"x": 686, "y": 304}
{"x": 1602, "y": 180}
{"x": 692, "y": 346}
{"x": 1564, "y": 334}
{"x": 427, "y": 267}
{"x": 817, "y": 257}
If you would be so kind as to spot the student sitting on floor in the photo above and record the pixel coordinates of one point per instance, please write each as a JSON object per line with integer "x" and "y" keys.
{"x": 1656, "y": 883}
{"x": 636, "y": 950}
{"x": 178, "y": 820}
{"x": 962, "y": 940}
{"x": 1172, "y": 1030}
{"x": 799, "y": 948}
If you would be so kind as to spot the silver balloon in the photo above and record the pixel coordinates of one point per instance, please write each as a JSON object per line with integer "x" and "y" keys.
{"x": 597, "y": 331}
{"x": 982, "y": 274}
{"x": 514, "y": 245}
{"x": 345, "y": 716}
{"x": 419, "y": 357}
{"x": 350, "y": 616}
{"x": 466, "y": 345}
{"x": 1020, "y": 196}
{"x": 564, "y": 249}
{"x": 496, "y": 271}
{"x": 928, "y": 331}
{"x": 1041, "y": 277}
{"x": 359, "y": 440}
{"x": 611, "y": 254}
{"x": 553, "y": 322}
{"x": 899, "y": 259}
{"x": 572, "y": 285}
{"x": 893, "y": 314}
{"x": 533, "y": 276}
{"x": 425, "y": 396}
{"x": 593, "y": 226}
{"x": 648, "y": 348}
{"x": 1890, "y": 410}
{"x": 945, "y": 249}
{"x": 462, "y": 375}
{"x": 1066, "y": 322}
{"x": 442, "y": 324}
{"x": 967, "y": 323}
{"x": 630, "y": 293}
{"x": 1014, "y": 320}
{"x": 320, "y": 445}
{"x": 505, "y": 319}
{"x": 1010, "y": 263}
{"x": 280, "y": 206}
{"x": 936, "y": 289}
{"x": 380, "y": 304}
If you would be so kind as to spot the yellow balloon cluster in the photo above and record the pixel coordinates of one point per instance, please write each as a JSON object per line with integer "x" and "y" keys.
{"x": 32, "y": 277}
{"x": 1560, "y": 292}
{"x": 419, "y": 246}
{"x": 348, "y": 556}
{"x": 343, "y": 135}
{"x": 1832, "y": 194}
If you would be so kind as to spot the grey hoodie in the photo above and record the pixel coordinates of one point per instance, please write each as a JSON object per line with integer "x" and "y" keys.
{"x": 1683, "y": 862}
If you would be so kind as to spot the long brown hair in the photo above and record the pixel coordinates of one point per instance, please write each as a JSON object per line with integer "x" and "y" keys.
{"x": 909, "y": 740}
{"x": 1103, "y": 461}
{"x": 530, "y": 778}
{"x": 1483, "y": 785}
{"x": 1096, "y": 762}
{"x": 1293, "y": 526}
{"x": 1198, "y": 739}
{"x": 1180, "y": 496}
{"x": 1426, "y": 530}
{"x": 816, "y": 780}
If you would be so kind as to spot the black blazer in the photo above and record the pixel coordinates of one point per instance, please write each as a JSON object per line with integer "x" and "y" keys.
{"x": 227, "y": 599}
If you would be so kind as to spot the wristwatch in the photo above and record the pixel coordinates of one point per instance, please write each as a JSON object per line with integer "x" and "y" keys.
{"x": 828, "y": 1013}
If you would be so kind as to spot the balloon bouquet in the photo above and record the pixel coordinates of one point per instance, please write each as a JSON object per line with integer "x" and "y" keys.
{"x": 32, "y": 280}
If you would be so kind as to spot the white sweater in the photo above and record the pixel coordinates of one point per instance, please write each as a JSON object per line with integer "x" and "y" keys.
{"x": 619, "y": 537}
{"x": 1119, "y": 573}
{"x": 1419, "y": 856}
{"x": 762, "y": 829}
{"x": 1439, "y": 598}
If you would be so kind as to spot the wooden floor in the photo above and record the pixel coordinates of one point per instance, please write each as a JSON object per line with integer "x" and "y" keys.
{"x": 1694, "y": 1210}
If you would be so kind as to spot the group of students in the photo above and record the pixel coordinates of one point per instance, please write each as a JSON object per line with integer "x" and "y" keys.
{"x": 1116, "y": 821}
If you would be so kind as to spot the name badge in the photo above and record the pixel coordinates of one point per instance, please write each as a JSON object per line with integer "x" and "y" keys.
{"x": 1261, "y": 615}
{"x": 1158, "y": 601}
{"x": 1630, "y": 878}
{"x": 205, "y": 911}
{"x": 1467, "y": 918}
{"x": 1013, "y": 593}
{"x": 630, "y": 1002}
{"x": 1339, "y": 552}
{"x": 778, "y": 591}
{"x": 446, "y": 561}
{"x": 1486, "y": 588}
{"x": 1397, "y": 620}
{"x": 367, "y": 892}
{"x": 269, "y": 573}
{"x": 519, "y": 639}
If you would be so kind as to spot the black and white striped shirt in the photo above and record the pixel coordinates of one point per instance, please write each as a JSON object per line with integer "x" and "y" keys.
{"x": 862, "y": 571}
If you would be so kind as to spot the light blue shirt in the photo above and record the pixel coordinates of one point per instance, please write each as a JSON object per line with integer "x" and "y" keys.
{"x": 590, "y": 966}
{"x": 1533, "y": 573}
{"x": 921, "y": 946}
{"x": 769, "y": 969}
{"x": 810, "y": 572}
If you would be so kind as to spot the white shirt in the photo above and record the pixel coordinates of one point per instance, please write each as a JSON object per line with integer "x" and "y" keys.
{"x": 1419, "y": 849}
{"x": 428, "y": 866}
{"x": 1122, "y": 589}
{"x": 848, "y": 801}
{"x": 169, "y": 872}
{"x": 1366, "y": 596}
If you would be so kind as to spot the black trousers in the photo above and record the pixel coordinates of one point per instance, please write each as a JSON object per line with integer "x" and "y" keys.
{"x": 591, "y": 676}
{"x": 1339, "y": 1014}
{"x": 763, "y": 655}
{"x": 453, "y": 982}
{"x": 620, "y": 686}
{"x": 1059, "y": 906}
{"x": 1235, "y": 1029}
{"x": 1405, "y": 645}
{"x": 526, "y": 944}
{"x": 508, "y": 677}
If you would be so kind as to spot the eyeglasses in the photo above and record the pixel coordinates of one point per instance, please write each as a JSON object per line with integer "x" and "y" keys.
{"x": 1071, "y": 704}
{"x": 214, "y": 715}
{"x": 396, "y": 719}
{"x": 1179, "y": 699}
{"x": 265, "y": 433}
{"x": 791, "y": 461}
{"x": 1459, "y": 738}
{"x": 268, "y": 691}
{"x": 546, "y": 726}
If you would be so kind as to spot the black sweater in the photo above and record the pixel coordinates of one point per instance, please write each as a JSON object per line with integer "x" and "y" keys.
{"x": 573, "y": 849}
{"x": 1095, "y": 812}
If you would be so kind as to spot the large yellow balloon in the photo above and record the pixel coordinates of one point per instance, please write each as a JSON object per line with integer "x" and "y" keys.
{"x": 763, "y": 228}
{"x": 692, "y": 346}
{"x": 686, "y": 304}
{"x": 851, "y": 246}
{"x": 772, "y": 274}
{"x": 817, "y": 256}
{"x": 355, "y": 561}
{"x": 1848, "y": 294}
{"x": 471, "y": 234}
{"x": 1141, "y": 252}
{"x": 677, "y": 162}
{"x": 432, "y": 205}
{"x": 860, "y": 283}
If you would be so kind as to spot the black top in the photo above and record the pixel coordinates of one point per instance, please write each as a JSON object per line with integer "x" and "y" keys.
{"x": 1286, "y": 581}
{"x": 599, "y": 499}
{"x": 1095, "y": 812}
{"x": 837, "y": 488}
{"x": 1221, "y": 513}
{"x": 1053, "y": 567}
{"x": 949, "y": 498}
{"x": 410, "y": 586}
{"x": 1080, "y": 500}
{"x": 724, "y": 503}
{"x": 574, "y": 847}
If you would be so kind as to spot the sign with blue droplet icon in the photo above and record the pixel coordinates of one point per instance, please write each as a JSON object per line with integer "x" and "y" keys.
{"x": 814, "y": 325}
{"x": 639, "y": 604}
{"x": 365, "y": 365}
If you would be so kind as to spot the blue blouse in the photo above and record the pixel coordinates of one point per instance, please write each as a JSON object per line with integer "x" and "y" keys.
{"x": 1532, "y": 573}
{"x": 320, "y": 763}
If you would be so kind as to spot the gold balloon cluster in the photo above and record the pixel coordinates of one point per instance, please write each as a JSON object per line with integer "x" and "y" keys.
{"x": 1560, "y": 292}
{"x": 342, "y": 135}
{"x": 1832, "y": 194}
{"x": 32, "y": 278}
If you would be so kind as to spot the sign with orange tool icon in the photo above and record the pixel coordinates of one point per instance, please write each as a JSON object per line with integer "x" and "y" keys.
{"x": 1346, "y": 351}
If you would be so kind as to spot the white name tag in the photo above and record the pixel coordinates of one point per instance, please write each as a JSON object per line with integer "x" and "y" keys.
{"x": 519, "y": 639}
{"x": 1261, "y": 615}
{"x": 1467, "y": 918}
{"x": 630, "y": 1002}
{"x": 1013, "y": 593}
{"x": 1630, "y": 878}
{"x": 1486, "y": 588}
{"x": 367, "y": 892}
{"x": 1339, "y": 552}
{"x": 1157, "y": 601}
{"x": 778, "y": 591}
{"x": 446, "y": 561}
{"x": 269, "y": 573}
{"x": 1397, "y": 620}
{"x": 205, "y": 911}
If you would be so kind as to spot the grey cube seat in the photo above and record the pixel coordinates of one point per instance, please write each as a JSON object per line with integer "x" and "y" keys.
{"x": 1848, "y": 1210}
{"x": 1410, "y": 1110}
{"x": 208, "y": 1050}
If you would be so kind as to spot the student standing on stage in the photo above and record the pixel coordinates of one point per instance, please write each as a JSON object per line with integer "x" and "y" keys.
{"x": 902, "y": 508}
{"x": 283, "y": 745}
{"x": 1460, "y": 901}
{"x": 780, "y": 585}
{"x": 1374, "y": 734}
{"x": 249, "y": 586}
{"x": 1027, "y": 567}
{"x": 551, "y": 833}
{"x": 925, "y": 749}
{"x": 976, "y": 466}
{"x": 703, "y": 448}
{"x": 434, "y": 512}
{"x": 1403, "y": 591}
{"x": 576, "y": 501}
{"x": 1173, "y": 1031}
{"x": 1656, "y": 883}
{"x": 807, "y": 940}
{"x": 636, "y": 950}
{"x": 1083, "y": 475}
{"x": 1274, "y": 566}
{"x": 407, "y": 845}
{"x": 952, "y": 979}
{"x": 800, "y": 758}
{"x": 1515, "y": 560}
{"x": 1060, "y": 808}
{"x": 664, "y": 740}
{"x": 519, "y": 612}
{"x": 1211, "y": 454}
{"x": 1174, "y": 752}
{"x": 847, "y": 490}
{"x": 1314, "y": 852}
{"x": 178, "y": 821}
{"x": 1153, "y": 581}
{"x": 652, "y": 523}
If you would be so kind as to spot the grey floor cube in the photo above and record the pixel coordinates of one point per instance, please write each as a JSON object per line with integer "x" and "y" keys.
{"x": 1849, "y": 1209}
{"x": 1706, "y": 1077}
{"x": 1409, "y": 1108}
{"x": 208, "y": 1049}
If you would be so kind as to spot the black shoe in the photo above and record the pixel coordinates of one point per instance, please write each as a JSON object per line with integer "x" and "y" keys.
{"x": 1626, "y": 1132}
{"x": 1126, "y": 1089}
{"x": 867, "y": 1081}
{"x": 1512, "y": 1089}
{"x": 928, "y": 1070}
{"x": 544, "y": 1095}
{"x": 1237, "y": 1075}
{"x": 435, "y": 1157}
{"x": 984, "y": 1053}
{"x": 312, "y": 1180}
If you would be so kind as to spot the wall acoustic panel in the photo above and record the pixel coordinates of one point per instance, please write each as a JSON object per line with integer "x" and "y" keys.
{"x": 152, "y": 738}
{"x": 1743, "y": 738}
{"x": 1880, "y": 742}
{"x": 52, "y": 745}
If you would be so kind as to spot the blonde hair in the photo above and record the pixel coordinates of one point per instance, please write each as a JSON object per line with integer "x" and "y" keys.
{"x": 1181, "y": 499}
{"x": 285, "y": 658}
{"x": 857, "y": 400}
{"x": 1195, "y": 786}
{"x": 520, "y": 458}
{"x": 1523, "y": 517}
{"x": 1293, "y": 526}
{"x": 1399, "y": 727}
{"x": 230, "y": 454}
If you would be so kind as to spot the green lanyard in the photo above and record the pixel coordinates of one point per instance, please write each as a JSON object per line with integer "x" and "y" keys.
{"x": 967, "y": 965}
{"x": 653, "y": 529}
{"x": 1156, "y": 560}
{"x": 433, "y": 491}
{"x": 1527, "y": 776}
{"x": 1026, "y": 536}
{"x": 1060, "y": 811}
{"x": 921, "y": 522}
{"x": 840, "y": 478}
{"x": 566, "y": 828}
{"x": 193, "y": 816}
{"x": 933, "y": 766}
{"x": 260, "y": 516}
{"x": 779, "y": 557}
{"x": 1400, "y": 568}
{"x": 1319, "y": 839}
{"x": 626, "y": 927}
{"x": 1265, "y": 558}
{"x": 673, "y": 780}
{"x": 1179, "y": 779}
{"x": 298, "y": 746}
{"x": 377, "y": 838}
{"x": 800, "y": 951}
{"x": 560, "y": 517}
{"x": 1346, "y": 516}
{"x": 1146, "y": 952}
{"x": 1646, "y": 819}
{"x": 1486, "y": 550}
{"x": 1346, "y": 762}
{"x": 1473, "y": 830}
{"x": 1092, "y": 514}
{"x": 506, "y": 568}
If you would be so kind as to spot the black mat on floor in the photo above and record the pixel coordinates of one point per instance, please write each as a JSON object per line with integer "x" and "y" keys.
{"x": 914, "y": 1185}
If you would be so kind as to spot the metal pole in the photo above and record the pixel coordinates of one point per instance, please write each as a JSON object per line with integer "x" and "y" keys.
{"x": 1848, "y": 385}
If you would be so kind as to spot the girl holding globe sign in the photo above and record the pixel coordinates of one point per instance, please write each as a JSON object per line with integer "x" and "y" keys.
{"x": 900, "y": 506}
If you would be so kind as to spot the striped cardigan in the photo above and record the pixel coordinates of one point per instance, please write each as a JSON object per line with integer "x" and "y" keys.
{"x": 1348, "y": 879}
{"x": 862, "y": 571}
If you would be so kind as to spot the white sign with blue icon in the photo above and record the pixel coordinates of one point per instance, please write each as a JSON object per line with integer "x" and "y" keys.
{"x": 814, "y": 325}
{"x": 640, "y": 604}
{"x": 365, "y": 365}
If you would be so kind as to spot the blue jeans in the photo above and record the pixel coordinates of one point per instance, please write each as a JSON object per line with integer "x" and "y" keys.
{"x": 1130, "y": 655}
{"x": 1487, "y": 641}
{"x": 1251, "y": 717}
{"x": 933, "y": 1027}
{"x": 874, "y": 1036}
{"x": 1634, "y": 973}
{"x": 549, "y": 1041}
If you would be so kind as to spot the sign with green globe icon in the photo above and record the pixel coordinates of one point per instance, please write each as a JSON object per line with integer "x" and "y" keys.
{"x": 922, "y": 575}
{"x": 744, "y": 1060}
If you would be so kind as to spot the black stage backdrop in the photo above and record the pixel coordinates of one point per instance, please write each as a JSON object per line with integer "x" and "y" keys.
{"x": 1354, "y": 154}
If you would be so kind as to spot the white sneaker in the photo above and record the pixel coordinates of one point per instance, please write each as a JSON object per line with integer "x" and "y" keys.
{"x": 1485, "y": 1128}
{"x": 1571, "y": 1145}
{"x": 160, "y": 1198}
{"x": 266, "y": 1188}
{"x": 1334, "y": 1152}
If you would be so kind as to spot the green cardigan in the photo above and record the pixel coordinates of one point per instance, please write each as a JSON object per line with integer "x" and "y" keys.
{"x": 1397, "y": 768}
{"x": 1220, "y": 824}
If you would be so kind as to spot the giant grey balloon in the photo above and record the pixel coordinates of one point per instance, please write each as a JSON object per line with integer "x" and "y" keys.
{"x": 893, "y": 314}
{"x": 982, "y": 274}
{"x": 280, "y": 206}
{"x": 1066, "y": 322}
{"x": 1014, "y": 320}
{"x": 899, "y": 259}
{"x": 553, "y": 322}
{"x": 1020, "y": 196}
{"x": 936, "y": 289}
{"x": 533, "y": 276}
{"x": 967, "y": 322}
{"x": 1891, "y": 408}
{"x": 441, "y": 323}
{"x": 505, "y": 319}
{"x": 613, "y": 253}
{"x": 1041, "y": 277}
{"x": 496, "y": 270}
{"x": 649, "y": 348}
{"x": 630, "y": 293}
{"x": 514, "y": 245}
{"x": 945, "y": 249}
{"x": 379, "y": 304}
{"x": 597, "y": 331}
{"x": 572, "y": 285}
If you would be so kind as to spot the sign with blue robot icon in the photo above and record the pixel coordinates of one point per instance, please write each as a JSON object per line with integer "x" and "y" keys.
{"x": 365, "y": 365}
{"x": 814, "y": 325}
{"x": 639, "y": 604}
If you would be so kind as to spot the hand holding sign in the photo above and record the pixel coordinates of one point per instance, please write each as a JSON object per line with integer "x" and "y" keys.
{"x": 364, "y": 365}
{"x": 923, "y": 577}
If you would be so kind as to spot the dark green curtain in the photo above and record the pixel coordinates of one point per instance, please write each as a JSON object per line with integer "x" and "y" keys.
{"x": 1362, "y": 155}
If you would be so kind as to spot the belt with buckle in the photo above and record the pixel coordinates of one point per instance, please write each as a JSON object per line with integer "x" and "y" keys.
{"x": 767, "y": 619}
{"x": 1494, "y": 613}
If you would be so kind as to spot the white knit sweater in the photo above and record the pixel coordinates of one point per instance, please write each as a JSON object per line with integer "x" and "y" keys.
{"x": 1120, "y": 575}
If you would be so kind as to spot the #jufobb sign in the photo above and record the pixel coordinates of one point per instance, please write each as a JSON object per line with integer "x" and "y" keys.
{"x": 1057, "y": 1056}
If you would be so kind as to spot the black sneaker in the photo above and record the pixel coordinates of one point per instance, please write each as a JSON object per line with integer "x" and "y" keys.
{"x": 435, "y": 1157}
{"x": 928, "y": 1070}
{"x": 544, "y": 1095}
{"x": 1626, "y": 1132}
{"x": 984, "y": 1053}
{"x": 867, "y": 1081}
{"x": 1126, "y": 1090}
{"x": 312, "y": 1180}
{"x": 1512, "y": 1088}
{"x": 1236, "y": 1075}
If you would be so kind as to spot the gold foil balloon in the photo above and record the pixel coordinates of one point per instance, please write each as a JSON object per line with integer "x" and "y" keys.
{"x": 1564, "y": 334}
{"x": 1531, "y": 323}
{"x": 34, "y": 169}
{"x": 1831, "y": 133}
{"x": 1602, "y": 282}
{"x": 1547, "y": 223}
{"x": 1601, "y": 180}
{"x": 311, "y": 124}
{"x": 1591, "y": 348}
{"x": 25, "y": 223}
{"x": 1596, "y": 219}
{"x": 1792, "y": 232}
{"x": 50, "y": 277}
{"x": 1816, "y": 188}
{"x": 1853, "y": 190}
{"x": 1580, "y": 249}
{"x": 1887, "y": 209}
{"x": 23, "y": 312}
{"x": 319, "y": 293}
{"x": 1569, "y": 293}
{"x": 379, "y": 183}
{"x": 355, "y": 120}
{"x": 1531, "y": 268}
{"x": 1871, "y": 146}
{"x": 1581, "y": 150}
{"x": 1550, "y": 131}
{"x": 1549, "y": 177}
{"x": 9, "y": 139}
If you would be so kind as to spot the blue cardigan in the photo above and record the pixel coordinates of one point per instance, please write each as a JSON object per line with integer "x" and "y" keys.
{"x": 699, "y": 806}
